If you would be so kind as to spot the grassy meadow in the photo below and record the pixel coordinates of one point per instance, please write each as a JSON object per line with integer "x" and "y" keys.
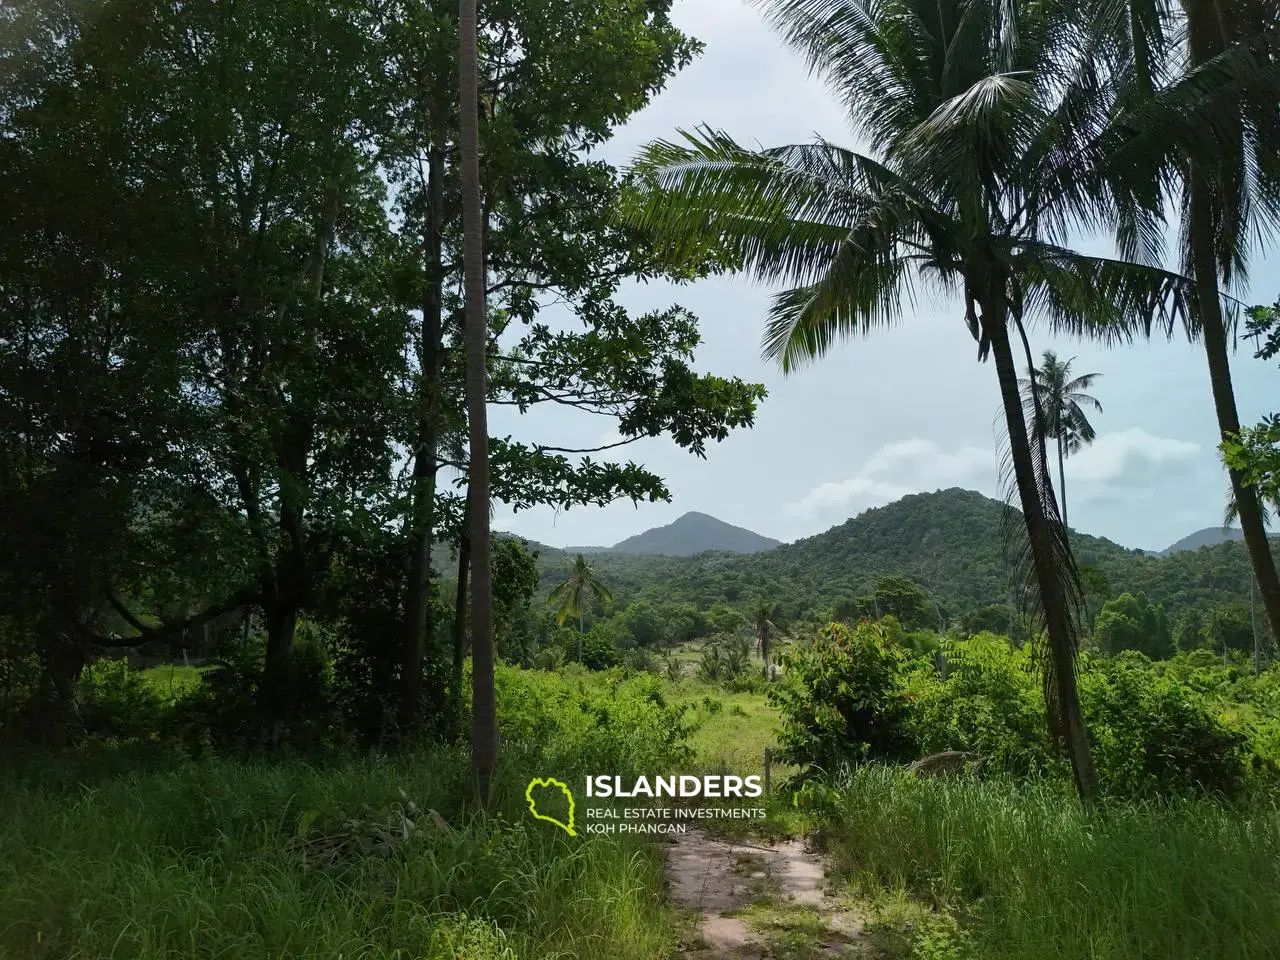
{"x": 385, "y": 857}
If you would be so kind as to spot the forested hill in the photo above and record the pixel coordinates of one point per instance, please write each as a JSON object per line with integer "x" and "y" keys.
{"x": 949, "y": 542}
{"x": 1209, "y": 536}
{"x": 695, "y": 533}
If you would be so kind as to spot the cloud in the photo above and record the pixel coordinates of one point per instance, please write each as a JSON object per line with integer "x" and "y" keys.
{"x": 892, "y": 472}
{"x": 1123, "y": 461}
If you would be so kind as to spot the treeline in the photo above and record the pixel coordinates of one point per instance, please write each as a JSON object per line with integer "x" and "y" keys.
{"x": 230, "y": 329}
{"x": 934, "y": 560}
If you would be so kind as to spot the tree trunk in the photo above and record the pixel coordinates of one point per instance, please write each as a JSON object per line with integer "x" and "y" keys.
{"x": 278, "y": 689}
{"x": 484, "y": 720}
{"x": 1200, "y": 236}
{"x": 287, "y": 586}
{"x": 417, "y": 607}
{"x": 460, "y": 621}
{"x": 1062, "y": 486}
{"x": 580, "y": 632}
{"x": 1053, "y": 597}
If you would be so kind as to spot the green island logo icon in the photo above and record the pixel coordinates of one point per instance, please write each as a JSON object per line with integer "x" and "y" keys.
{"x": 548, "y": 783}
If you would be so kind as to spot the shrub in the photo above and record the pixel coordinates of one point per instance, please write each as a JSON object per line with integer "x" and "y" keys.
{"x": 841, "y": 699}
{"x": 599, "y": 652}
{"x": 1153, "y": 734}
{"x": 990, "y": 703}
{"x": 115, "y": 701}
{"x": 622, "y": 725}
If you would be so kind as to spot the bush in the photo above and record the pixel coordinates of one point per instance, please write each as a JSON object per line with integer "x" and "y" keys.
{"x": 599, "y": 651}
{"x": 616, "y": 724}
{"x": 116, "y": 702}
{"x": 841, "y": 699}
{"x": 1153, "y": 734}
{"x": 991, "y": 704}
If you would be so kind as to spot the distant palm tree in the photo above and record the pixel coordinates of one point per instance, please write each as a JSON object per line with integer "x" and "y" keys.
{"x": 1054, "y": 404}
{"x": 1231, "y": 514}
{"x": 571, "y": 597}
{"x": 762, "y": 615}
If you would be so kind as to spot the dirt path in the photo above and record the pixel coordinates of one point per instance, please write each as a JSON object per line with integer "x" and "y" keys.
{"x": 751, "y": 902}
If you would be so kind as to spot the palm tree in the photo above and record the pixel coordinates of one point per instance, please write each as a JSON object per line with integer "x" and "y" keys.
{"x": 989, "y": 115}
{"x": 1208, "y": 90}
{"x": 762, "y": 615}
{"x": 571, "y": 597}
{"x": 1055, "y": 403}
{"x": 484, "y": 722}
{"x": 1231, "y": 191}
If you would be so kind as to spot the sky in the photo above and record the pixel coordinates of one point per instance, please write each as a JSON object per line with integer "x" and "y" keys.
{"x": 907, "y": 410}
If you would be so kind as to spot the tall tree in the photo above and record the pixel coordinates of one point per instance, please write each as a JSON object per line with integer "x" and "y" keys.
{"x": 571, "y": 596}
{"x": 1229, "y": 165}
{"x": 1055, "y": 403}
{"x": 988, "y": 115}
{"x": 1219, "y": 205}
{"x": 484, "y": 722}
{"x": 554, "y": 83}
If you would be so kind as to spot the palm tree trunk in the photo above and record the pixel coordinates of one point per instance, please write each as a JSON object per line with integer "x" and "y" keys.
{"x": 1204, "y": 266}
{"x": 425, "y": 461}
{"x": 580, "y": 630}
{"x": 484, "y": 720}
{"x": 1053, "y": 597}
{"x": 1062, "y": 487}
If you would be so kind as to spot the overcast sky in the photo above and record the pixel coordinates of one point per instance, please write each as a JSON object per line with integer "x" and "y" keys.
{"x": 909, "y": 409}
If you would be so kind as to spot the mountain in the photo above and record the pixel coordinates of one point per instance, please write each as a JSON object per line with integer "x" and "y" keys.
{"x": 694, "y": 533}
{"x": 948, "y": 541}
{"x": 1207, "y": 537}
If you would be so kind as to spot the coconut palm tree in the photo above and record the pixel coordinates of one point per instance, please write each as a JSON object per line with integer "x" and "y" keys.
{"x": 1232, "y": 193}
{"x": 1054, "y": 401}
{"x": 484, "y": 722}
{"x": 1204, "y": 77}
{"x": 571, "y": 597}
{"x": 992, "y": 119}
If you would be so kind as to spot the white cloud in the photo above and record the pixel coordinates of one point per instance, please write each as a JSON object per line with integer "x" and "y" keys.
{"x": 1130, "y": 459}
{"x": 892, "y": 472}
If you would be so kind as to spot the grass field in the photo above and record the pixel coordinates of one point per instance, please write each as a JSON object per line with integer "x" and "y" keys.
{"x": 1021, "y": 871}
{"x": 232, "y": 859}
{"x": 369, "y": 859}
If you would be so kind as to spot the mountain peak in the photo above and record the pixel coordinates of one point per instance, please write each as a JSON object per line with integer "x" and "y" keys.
{"x": 693, "y": 533}
{"x": 1209, "y": 536}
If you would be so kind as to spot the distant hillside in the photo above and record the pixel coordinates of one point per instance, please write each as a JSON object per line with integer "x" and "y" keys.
{"x": 694, "y": 533}
{"x": 947, "y": 541}
{"x": 1208, "y": 537}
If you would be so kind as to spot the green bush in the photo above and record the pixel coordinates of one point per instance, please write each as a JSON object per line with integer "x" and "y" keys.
{"x": 990, "y": 704}
{"x": 1155, "y": 735}
{"x": 599, "y": 651}
{"x": 1183, "y": 726}
{"x": 841, "y": 699}
{"x": 619, "y": 724}
{"x": 116, "y": 702}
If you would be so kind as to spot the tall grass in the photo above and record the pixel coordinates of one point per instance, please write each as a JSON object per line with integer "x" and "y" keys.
{"x": 375, "y": 859}
{"x": 211, "y": 859}
{"x": 1035, "y": 876}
